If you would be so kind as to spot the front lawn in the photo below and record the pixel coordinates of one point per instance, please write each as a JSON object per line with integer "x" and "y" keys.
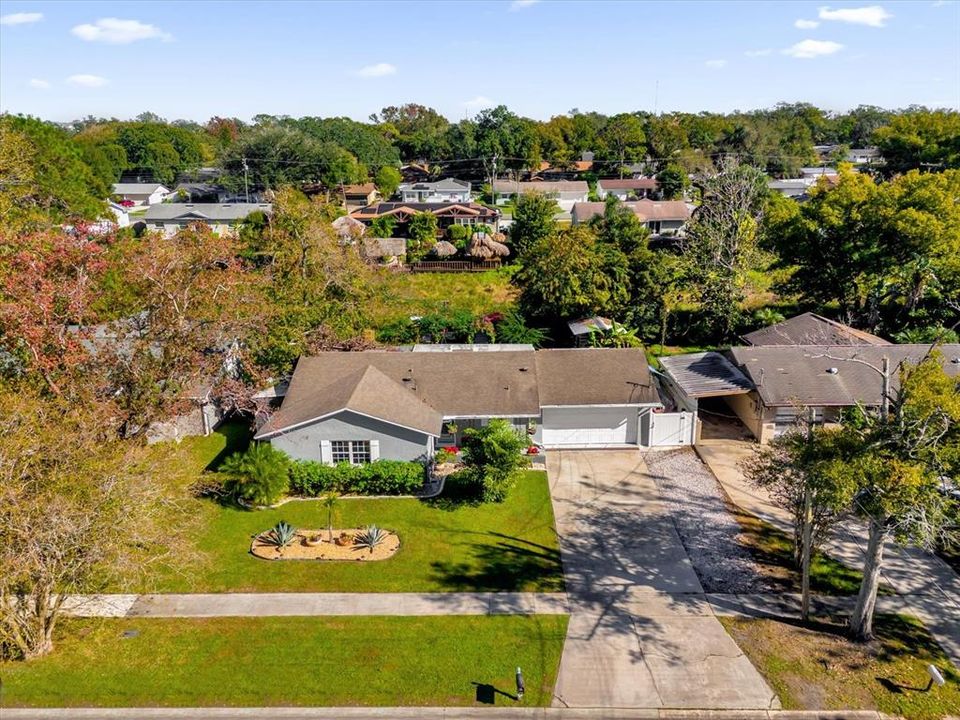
{"x": 443, "y": 546}
{"x": 285, "y": 661}
{"x": 818, "y": 668}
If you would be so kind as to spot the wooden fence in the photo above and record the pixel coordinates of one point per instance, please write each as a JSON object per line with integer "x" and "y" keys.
{"x": 443, "y": 266}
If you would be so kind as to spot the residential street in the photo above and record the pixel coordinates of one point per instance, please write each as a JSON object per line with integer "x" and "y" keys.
{"x": 641, "y": 633}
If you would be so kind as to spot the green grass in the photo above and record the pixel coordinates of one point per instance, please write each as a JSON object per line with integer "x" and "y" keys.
{"x": 772, "y": 550}
{"x": 444, "y": 546}
{"x": 401, "y": 295}
{"x": 285, "y": 661}
{"x": 818, "y": 668}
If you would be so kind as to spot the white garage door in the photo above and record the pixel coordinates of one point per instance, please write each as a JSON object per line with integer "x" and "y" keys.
{"x": 589, "y": 427}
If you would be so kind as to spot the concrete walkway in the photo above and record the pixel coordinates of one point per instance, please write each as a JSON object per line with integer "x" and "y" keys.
{"x": 309, "y": 604}
{"x": 641, "y": 633}
{"x": 929, "y": 588}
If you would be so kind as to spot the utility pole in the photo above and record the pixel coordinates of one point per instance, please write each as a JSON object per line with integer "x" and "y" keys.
{"x": 885, "y": 398}
{"x": 246, "y": 188}
{"x": 807, "y": 549}
{"x": 493, "y": 178}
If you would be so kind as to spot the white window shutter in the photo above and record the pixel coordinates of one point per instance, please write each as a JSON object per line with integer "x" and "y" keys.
{"x": 326, "y": 452}
{"x": 374, "y": 450}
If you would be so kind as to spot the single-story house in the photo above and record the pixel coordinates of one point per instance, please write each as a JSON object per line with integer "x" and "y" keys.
{"x": 442, "y": 191}
{"x": 816, "y": 172}
{"x": 791, "y": 187}
{"x": 628, "y": 188}
{"x": 864, "y": 156}
{"x": 811, "y": 329}
{"x": 141, "y": 193}
{"x": 221, "y": 218}
{"x": 361, "y": 406}
{"x": 201, "y": 192}
{"x": 447, "y": 214}
{"x": 770, "y": 387}
{"x": 565, "y": 192}
{"x": 358, "y": 195}
{"x": 663, "y": 217}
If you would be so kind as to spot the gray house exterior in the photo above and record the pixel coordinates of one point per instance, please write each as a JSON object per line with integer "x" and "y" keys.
{"x": 402, "y": 405}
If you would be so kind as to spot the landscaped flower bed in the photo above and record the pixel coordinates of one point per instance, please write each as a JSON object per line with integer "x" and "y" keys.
{"x": 304, "y": 545}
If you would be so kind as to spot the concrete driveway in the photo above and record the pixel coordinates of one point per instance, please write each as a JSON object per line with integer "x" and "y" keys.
{"x": 641, "y": 634}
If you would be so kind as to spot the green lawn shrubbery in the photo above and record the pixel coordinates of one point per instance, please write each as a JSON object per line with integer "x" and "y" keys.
{"x": 382, "y": 477}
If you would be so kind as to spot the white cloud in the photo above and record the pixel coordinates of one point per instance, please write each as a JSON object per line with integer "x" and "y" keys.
{"x": 758, "y": 53}
{"x": 813, "y": 48}
{"x": 39, "y": 84}
{"x": 90, "y": 81}
{"x": 715, "y": 63}
{"x": 20, "y": 18}
{"x": 521, "y": 4}
{"x": 115, "y": 31}
{"x": 378, "y": 70}
{"x": 941, "y": 3}
{"x": 806, "y": 24}
{"x": 478, "y": 102}
{"x": 872, "y": 15}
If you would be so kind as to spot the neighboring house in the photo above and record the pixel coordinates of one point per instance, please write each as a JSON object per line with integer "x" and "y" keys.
{"x": 361, "y": 406}
{"x": 816, "y": 172}
{"x": 811, "y": 329}
{"x": 663, "y": 217}
{"x": 564, "y": 192}
{"x": 770, "y": 387}
{"x": 356, "y": 196}
{"x": 582, "y": 330}
{"x": 442, "y": 191}
{"x": 447, "y": 214}
{"x": 197, "y": 192}
{"x": 414, "y": 173}
{"x": 221, "y": 218}
{"x": 141, "y": 193}
{"x": 791, "y": 187}
{"x": 864, "y": 156}
{"x": 120, "y": 215}
{"x": 628, "y": 188}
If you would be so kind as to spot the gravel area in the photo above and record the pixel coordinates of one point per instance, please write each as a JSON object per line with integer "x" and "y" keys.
{"x": 706, "y": 528}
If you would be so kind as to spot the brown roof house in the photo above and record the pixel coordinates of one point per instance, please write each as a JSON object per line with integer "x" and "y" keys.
{"x": 355, "y": 196}
{"x": 447, "y": 213}
{"x": 402, "y": 405}
{"x": 811, "y": 329}
{"x": 627, "y": 188}
{"x": 663, "y": 217}
{"x": 769, "y": 387}
{"x": 565, "y": 192}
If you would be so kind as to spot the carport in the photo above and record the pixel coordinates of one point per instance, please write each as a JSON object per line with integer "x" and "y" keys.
{"x": 690, "y": 378}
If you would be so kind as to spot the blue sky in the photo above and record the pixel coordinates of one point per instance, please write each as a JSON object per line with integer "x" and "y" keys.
{"x": 63, "y": 60}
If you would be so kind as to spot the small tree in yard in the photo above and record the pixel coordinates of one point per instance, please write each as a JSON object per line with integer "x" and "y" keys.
{"x": 259, "y": 476}
{"x": 329, "y": 503}
{"x": 493, "y": 455}
{"x": 422, "y": 228}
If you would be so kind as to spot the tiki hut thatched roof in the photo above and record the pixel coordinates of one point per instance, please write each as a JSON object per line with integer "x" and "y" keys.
{"x": 349, "y": 228}
{"x": 500, "y": 237}
{"x": 444, "y": 249}
{"x": 484, "y": 246}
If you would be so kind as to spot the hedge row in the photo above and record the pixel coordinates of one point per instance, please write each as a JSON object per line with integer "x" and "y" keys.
{"x": 382, "y": 477}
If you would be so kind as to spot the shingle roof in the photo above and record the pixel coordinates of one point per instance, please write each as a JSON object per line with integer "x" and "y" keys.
{"x": 445, "y": 184}
{"x": 204, "y": 211}
{"x": 800, "y": 374}
{"x": 511, "y": 383}
{"x": 548, "y": 186}
{"x": 706, "y": 374}
{"x": 643, "y": 209}
{"x": 628, "y": 184}
{"x": 811, "y": 329}
{"x": 136, "y": 188}
{"x": 390, "y": 208}
{"x": 364, "y": 390}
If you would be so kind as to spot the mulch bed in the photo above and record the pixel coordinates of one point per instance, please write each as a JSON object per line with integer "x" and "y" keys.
{"x": 302, "y": 549}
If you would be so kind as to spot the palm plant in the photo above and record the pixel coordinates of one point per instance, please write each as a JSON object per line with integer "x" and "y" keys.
{"x": 371, "y": 537}
{"x": 260, "y": 476}
{"x": 329, "y": 503}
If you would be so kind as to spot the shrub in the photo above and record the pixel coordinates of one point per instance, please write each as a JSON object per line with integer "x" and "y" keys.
{"x": 382, "y": 477}
{"x": 399, "y": 332}
{"x": 495, "y": 453}
{"x": 311, "y": 478}
{"x": 280, "y": 535}
{"x": 445, "y": 455}
{"x": 459, "y": 235}
{"x": 259, "y": 476}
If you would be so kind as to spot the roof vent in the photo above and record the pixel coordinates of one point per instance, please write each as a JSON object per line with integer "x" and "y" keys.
{"x": 955, "y": 360}
{"x": 832, "y": 371}
{"x": 524, "y": 369}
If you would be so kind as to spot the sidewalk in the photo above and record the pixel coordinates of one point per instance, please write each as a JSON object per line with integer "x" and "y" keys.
{"x": 309, "y": 604}
{"x": 926, "y": 586}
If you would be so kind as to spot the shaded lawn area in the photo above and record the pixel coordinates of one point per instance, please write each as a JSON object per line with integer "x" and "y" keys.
{"x": 818, "y": 668}
{"x": 401, "y": 295}
{"x": 772, "y": 550}
{"x": 510, "y": 546}
{"x": 285, "y": 661}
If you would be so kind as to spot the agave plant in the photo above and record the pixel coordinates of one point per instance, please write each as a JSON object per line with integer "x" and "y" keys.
{"x": 370, "y": 537}
{"x": 280, "y": 535}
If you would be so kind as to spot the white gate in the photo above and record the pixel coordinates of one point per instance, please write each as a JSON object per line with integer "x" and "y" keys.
{"x": 675, "y": 428}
